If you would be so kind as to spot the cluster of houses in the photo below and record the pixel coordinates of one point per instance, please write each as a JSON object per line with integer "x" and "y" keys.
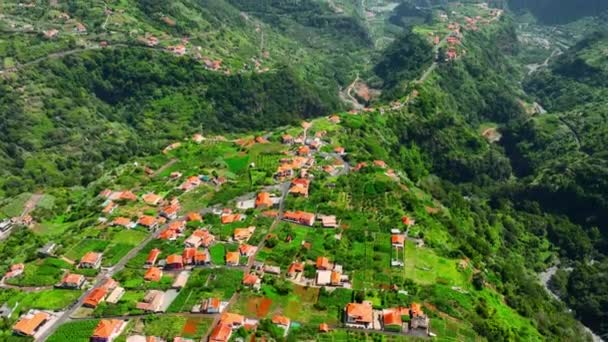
{"x": 330, "y": 274}
{"x": 230, "y": 322}
{"x": 409, "y": 320}
{"x": 109, "y": 291}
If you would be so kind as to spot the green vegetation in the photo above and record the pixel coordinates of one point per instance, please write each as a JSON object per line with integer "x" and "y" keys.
{"x": 79, "y": 331}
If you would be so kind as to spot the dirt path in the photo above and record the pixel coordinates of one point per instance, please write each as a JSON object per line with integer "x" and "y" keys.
{"x": 346, "y": 95}
{"x": 31, "y": 204}
{"x": 164, "y": 167}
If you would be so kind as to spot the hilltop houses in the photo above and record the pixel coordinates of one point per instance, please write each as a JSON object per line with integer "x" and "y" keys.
{"x": 359, "y": 315}
{"x": 31, "y": 323}
{"x": 107, "y": 330}
{"x": 71, "y": 281}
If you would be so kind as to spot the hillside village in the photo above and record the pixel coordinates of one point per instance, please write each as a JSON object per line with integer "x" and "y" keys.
{"x": 221, "y": 238}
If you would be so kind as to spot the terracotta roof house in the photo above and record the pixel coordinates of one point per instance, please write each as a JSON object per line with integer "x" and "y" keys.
{"x": 15, "y": 270}
{"x": 95, "y": 297}
{"x": 177, "y": 226}
{"x": 232, "y": 258}
{"x": 170, "y": 211}
{"x": 359, "y": 315}
{"x": 198, "y": 138}
{"x": 147, "y": 221}
{"x": 300, "y": 217}
{"x": 152, "y": 199}
{"x": 199, "y": 237}
{"x": 221, "y": 333}
{"x": 202, "y": 258}
{"x": 127, "y": 196}
{"x": 251, "y": 280}
{"x": 72, "y": 281}
{"x": 211, "y": 305}
{"x": 175, "y": 262}
{"x": 263, "y": 200}
{"x": 247, "y": 250}
{"x": 107, "y": 330}
{"x": 323, "y": 327}
{"x": 80, "y": 28}
{"x": 153, "y": 274}
{"x": 336, "y": 278}
{"x": 334, "y": 119}
{"x": 190, "y": 183}
{"x": 30, "y": 323}
{"x": 168, "y": 234}
{"x": 192, "y": 256}
{"x": 398, "y": 240}
{"x": 231, "y": 218}
{"x": 234, "y": 321}
{"x": 194, "y": 217}
{"x": 178, "y": 50}
{"x": 340, "y": 150}
{"x": 261, "y": 140}
{"x": 123, "y": 221}
{"x": 152, "y": 257}
{"x": 294, "y": 269}
{"x": 52, "y": 33}
{"x": 408, "y": 221}
{"x": 393, "y": 317}
{"x": 90, "y": 260}
{"x": 299, "y": 187}
{"x": 243, "y": 234}
{"x": 323, "y": 263}
{"x": 281, "y": 321}
{"x": 303, "y": 151}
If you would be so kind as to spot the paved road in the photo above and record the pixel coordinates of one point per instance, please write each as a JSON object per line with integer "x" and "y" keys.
{"x": 99, "y": 280}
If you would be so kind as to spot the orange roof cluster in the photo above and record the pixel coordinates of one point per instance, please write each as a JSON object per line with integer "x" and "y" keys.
{"x": 232, "y": 319}
{"x": 221, "y": 333}
{"x": 243, "y": 233}
{"x": 121, "y": 221}
{"x": 72, "y": 278}
{"x": 300, "y": 187}
{"x": 303, "y": 150}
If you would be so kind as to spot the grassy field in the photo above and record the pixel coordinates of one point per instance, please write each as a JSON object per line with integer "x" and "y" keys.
{"x": 41, "y": 273}
{"x": 85, "y": 246}
{"x": 425, "y": 267}
{"x": 79, "y": 331}
{"x": 205, "y": 283}
{"x": 14, "y": 206}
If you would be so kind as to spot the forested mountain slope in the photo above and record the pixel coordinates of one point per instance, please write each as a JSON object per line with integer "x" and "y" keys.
{"x": 559, "y": 11}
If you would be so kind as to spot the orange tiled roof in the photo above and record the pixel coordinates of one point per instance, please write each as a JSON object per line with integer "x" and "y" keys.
{"x": 128, "y": 196}
{"x": 174, "y": 259}
{"x": 271, "y": 213}
{"x": 335, "y": 278}
{"x": 95, "y": 297}
{"x": 107, "y": 327}
{"x": 263, "y": 199}
{"x": 281, "y": 320}
{"x": 250, "y": 279}
{"x": 296, "y": 267}
{"x": 322, "y": 262}
{"x": 323, "y": 327}
{"x": 200, "y": 256}
{"x": 151, "y": 198}
{"x": 397, "y": 239}
{"x": 147, "y": 221}
{"x": 90, "y": 258}
{"x": 176, "y": 225}
{"x": 232, "y": 318}
{"x": 28, "y": 326}
{"x": 192, "y": 216}
{"x": 407, "y": 220}
{"x": 392, "y": 318}
{"x": 153, "y": 274}
{"x": 232, "y": 257}
{"x": 72, "y": 278}
{"x": 167, "y": 234}
{"x": 230, "y": 218}
{"x": 221, "y": 333}
{"x": 153, "y": 255}
{"x": 121, "y": 221}
{"x": 361, "y": 312}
